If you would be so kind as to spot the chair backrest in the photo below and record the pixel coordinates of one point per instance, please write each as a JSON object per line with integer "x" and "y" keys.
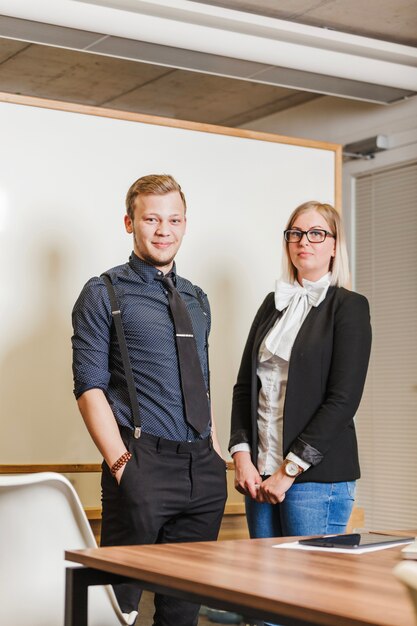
{"x": 41, "y": 516}
{"x": 406, "y": 571}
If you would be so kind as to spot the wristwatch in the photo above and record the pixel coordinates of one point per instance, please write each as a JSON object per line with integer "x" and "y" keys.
{"x": 291, "y": 469}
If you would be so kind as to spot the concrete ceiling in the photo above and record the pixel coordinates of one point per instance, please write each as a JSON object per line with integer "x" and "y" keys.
{"x": 85, "y": 78}
{"x": 388, "y": 20}
{"x": 60, "y": 73}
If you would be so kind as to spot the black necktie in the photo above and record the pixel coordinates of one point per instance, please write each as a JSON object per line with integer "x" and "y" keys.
{"x": 197, "y": 412}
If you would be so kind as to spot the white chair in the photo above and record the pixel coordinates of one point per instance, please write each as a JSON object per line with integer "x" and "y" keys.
{"x": 41, "y": 516}
{"x": 406, "y": 571}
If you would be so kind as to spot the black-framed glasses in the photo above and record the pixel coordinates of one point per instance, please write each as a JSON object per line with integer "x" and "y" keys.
{"x": 314, "y": 235}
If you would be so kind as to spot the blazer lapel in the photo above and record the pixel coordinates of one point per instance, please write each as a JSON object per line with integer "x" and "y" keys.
{"x": 263, "y": 328}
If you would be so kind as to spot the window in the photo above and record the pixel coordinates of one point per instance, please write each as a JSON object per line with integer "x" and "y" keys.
{"x": 386, "y": 273}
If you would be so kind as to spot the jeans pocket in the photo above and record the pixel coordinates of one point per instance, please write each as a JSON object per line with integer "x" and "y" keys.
{"x": 351, "y": 488}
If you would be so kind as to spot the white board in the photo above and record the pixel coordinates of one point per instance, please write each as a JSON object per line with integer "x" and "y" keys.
{"x": 63, "y": 180}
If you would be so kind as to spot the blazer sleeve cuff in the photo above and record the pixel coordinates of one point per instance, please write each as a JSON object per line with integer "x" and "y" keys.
{"x": 239, "y": 436}
{"x": 306, "y": 452}
{"x": 240, "y": 447}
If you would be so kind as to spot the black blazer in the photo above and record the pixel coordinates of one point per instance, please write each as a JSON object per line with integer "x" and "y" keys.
{"x": 326, "y": 376}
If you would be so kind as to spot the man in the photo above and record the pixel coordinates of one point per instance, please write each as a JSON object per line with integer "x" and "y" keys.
{"x": 163, "y": 478}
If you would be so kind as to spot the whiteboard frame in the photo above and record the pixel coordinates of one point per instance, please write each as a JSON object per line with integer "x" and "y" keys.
{"x": 116, "y": 114}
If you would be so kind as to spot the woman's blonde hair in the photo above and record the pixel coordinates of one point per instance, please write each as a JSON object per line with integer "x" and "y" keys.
{"x": 339, "y": 264}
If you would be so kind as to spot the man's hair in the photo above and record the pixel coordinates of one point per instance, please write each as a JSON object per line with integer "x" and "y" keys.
{"x": 339, "y": 264}
{"x": 153, "y": 184}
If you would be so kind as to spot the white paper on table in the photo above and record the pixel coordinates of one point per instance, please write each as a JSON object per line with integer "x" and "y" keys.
{"x": 294, "y": 545}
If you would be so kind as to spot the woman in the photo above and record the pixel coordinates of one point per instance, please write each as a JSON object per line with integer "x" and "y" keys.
{"x": 299, "y": 385}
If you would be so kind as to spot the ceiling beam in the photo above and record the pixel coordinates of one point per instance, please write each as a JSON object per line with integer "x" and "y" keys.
{"x": 284, "y": 53}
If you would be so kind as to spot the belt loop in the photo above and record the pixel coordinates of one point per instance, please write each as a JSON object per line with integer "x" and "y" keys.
{"x": 158, "y": 446}
{"x": 210, "y": 441}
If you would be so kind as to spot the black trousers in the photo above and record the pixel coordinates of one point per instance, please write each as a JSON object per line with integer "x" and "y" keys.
{"x": 169, "y": 492}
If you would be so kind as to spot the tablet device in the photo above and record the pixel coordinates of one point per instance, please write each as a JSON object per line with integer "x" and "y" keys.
{"x": 354, "y": 540}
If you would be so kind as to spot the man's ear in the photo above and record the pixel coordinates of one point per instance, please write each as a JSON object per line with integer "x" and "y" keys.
{"x": 128, "y": 224}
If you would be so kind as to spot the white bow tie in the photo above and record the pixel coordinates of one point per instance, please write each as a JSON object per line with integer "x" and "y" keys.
{"x": 297, "y": 300}
{"x": 285, "y": 293}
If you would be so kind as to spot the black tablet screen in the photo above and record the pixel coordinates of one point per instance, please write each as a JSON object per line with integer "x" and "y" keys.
{"x": 355, "y": 540}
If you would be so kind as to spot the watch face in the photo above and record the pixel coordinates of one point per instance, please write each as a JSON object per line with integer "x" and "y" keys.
{"x": 291, "y": 469}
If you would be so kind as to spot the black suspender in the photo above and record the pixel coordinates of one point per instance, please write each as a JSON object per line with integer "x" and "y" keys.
{"x": 115, "y": 311}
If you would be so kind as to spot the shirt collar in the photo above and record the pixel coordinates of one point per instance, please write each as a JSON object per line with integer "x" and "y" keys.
{"x": 323, "y": 281}
{"x": 148, "y": 272}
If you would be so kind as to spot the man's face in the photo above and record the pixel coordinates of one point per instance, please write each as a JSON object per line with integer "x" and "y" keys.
{"x": 158, "y": 228}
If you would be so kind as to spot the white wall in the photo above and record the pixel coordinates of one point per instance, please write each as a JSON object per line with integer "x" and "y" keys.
{"x": 342, "y": 121}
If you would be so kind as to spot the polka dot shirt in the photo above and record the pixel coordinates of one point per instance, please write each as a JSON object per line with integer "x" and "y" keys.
{"x": 150, "y": 338}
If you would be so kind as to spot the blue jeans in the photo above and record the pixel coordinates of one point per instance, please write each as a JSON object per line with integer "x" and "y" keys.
{"x": 308, "y": 509}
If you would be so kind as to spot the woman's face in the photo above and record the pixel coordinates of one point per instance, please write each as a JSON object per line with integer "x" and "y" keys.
{"x": 312, "y": 260}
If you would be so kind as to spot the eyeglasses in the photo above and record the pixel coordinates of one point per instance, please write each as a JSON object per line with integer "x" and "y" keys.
{"x": 314, "y": 235}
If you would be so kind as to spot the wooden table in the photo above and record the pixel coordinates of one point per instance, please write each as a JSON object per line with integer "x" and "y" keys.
{"x": 250, "y": 577}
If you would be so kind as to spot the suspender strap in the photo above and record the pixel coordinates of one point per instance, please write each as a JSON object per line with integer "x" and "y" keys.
{"x": 115, "y": 311}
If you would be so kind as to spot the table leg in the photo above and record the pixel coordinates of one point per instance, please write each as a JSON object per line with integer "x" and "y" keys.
{"x": 76, "y": 597}
{"x": 77, "y": 581}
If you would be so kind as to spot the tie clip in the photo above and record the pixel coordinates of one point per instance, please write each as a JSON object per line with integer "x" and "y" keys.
{"x": 183, "y": 335}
